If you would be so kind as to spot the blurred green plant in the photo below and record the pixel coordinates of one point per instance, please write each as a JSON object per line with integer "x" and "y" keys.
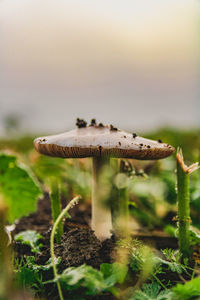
{"x": 56, "y": 206}
{"x": 190, "y": 290}
{"x": 22, "y": 144}
{"x": 30, "y": 238}
{"x": 188, "y": 140}
{"x": 30, "y": 275}
{"x": 74, "y": 177}
{"x": 18, "y": 187}
{"x": 94, "y": 281}
{"x": 63, "y": 179}
{"x": 183, "y": 197}
{"x": 5, "y": 256}
{"x": 151, "y": 291}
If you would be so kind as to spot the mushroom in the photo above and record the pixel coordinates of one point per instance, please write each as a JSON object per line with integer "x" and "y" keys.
{"x": 100, "y": 142}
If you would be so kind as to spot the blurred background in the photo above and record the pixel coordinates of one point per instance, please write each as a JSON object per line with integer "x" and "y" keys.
{"x": 131, "y": 63}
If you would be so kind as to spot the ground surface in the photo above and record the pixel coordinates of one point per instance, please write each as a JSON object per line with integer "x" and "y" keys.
{"x": 79, "y": 243}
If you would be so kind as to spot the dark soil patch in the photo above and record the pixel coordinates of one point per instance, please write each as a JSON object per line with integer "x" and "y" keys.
{"x": 41, "y": 220}
{"x": 78, "y": 239}
{"x": 79, "y": 246}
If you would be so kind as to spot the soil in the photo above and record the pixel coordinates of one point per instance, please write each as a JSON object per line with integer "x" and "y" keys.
{"x": 79, "y": 244}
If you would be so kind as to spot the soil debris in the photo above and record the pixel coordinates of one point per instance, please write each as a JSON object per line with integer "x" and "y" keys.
{"x": 112, "y": 128}
{"x": 79, "y": 246}
{"x": 93, "y": 122}
{"x": 81, "y": 123}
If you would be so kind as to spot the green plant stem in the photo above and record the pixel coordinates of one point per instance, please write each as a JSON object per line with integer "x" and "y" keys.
{"x": 159, "y": 282}
{"x": 183, "y": 208}
{"x": 56, "y": 206}
{"x": 120, "y": 207}
{"x": 124, "y": 211}
{"x": 56, "y": 224}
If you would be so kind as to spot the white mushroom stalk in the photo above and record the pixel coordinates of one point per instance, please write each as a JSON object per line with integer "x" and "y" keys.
{"x": 101, "y": 214}
{"x": 101, "y": 142}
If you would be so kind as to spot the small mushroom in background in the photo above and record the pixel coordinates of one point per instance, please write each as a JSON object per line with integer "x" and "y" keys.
{"x": 101, "y": 142}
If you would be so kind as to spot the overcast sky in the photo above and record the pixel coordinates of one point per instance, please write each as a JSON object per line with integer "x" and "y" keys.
{"x": 131, "y": 63}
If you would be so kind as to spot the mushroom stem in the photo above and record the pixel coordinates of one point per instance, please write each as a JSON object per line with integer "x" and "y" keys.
{"x": 101, "y": 215}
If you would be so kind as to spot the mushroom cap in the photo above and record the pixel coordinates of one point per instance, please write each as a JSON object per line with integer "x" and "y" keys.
{"x": 95, "y": 141}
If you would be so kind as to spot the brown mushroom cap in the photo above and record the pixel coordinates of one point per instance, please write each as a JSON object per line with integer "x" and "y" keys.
{"x": 95, "y": 141}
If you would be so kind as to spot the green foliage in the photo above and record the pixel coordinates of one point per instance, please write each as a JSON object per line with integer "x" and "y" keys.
{"x": 46, "y": 167}
{"x": 18, "y": 187}
{"x": 155, "y": 204}
{"x": 187, "y": 291}
{"x": 151, "y": 291}
{"x": 140, "y": 257}
{"x": 149, "y": 194}
{"x": 56, "y": 206}
{"x": 20, "y": 144}
{"x": 169, "y": 180}
{"x": 31, "y": 238}
{"x": 27, "y": 276}
{"x": 173, "y": 261}
{"x": 171, "y": 230}
{"x": 30, "y": 275}
{"x": 92, "y": 280}
{"x": 72, "y": 175}
{"x": 188, "y": 140}
{"x": 115, "y": 272}
{"x": 194, "y": 238}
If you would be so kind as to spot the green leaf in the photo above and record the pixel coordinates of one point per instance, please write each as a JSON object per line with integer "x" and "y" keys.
{"x": 18, "y": 187}
{"x": 173, "y": 261}
{"x": 51, "y": 166}
{"x": 27, "y": 277}
{"x": 30, "y": 238}
{"x": 29, "y": 274}
{"x": 92, "y": 280}
{"x": 188, "y": 290}
{"x": 151, "y": 291}
{"x": 194, "y": 238}
{"x": 84, "y": 276}
{"x": 114, "y": 273}
{"x": 49, "y": 264}
{"x": 31, "y": 264}
{"x": 173, "y": 266}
